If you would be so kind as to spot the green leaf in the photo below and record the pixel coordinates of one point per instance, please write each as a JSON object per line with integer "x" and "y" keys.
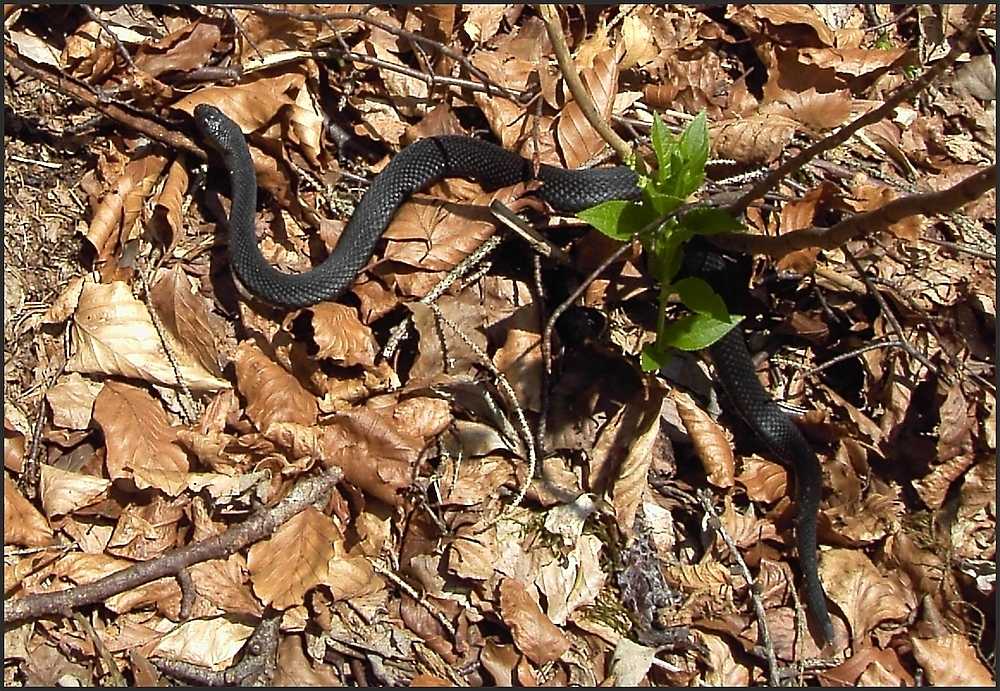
{"x": 663, "y": 145}
{"x": 693, "y": 151}
{"x": 696, "y": 331}
{"x": 652, "y": 358}
{"x": 698, "y": 296}
{"x": 709, "y": 221}
{"x": 618, "y": 219}
{"x": 662, "y": 203}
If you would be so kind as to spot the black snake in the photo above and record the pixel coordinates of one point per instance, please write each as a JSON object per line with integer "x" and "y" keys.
{"x": 429, "y": 160}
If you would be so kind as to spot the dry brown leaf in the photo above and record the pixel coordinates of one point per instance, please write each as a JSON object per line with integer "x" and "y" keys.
{"x": 72, "y": 401}
{"x": 374, "y": 454}
{"x": 973, "y": 533}
{"x": 763, "y": 480}
{"x": 709, "y": 439}
{"x": 273, "y": 395}
{"x": 865, "y": 596}
{"x": 724, "y": 670}
{"x": 188, "y": 318}
{"x": 88, "y": 52}
{"x": 630, "y": 485}
{"x": 139, "y": 438}
{"x": 638, "y": 41}
{"x": 453, "y": 356}
{"x": 483, "y": 21}
{"x": 341, "y": 336}
{"x": 630, "y": 663}
{"x": 211, "y": 643}
{"x": 23, "y": 524}
{"x": 145, "y": 531}
{"x": 579, "y": 141}
{"x": 306, "y": 126}
{"x": 753, "y": 140}
{"x": 114, "y": 334}
{"x": 520, "y": 360}
{"x": 295, "y": 670}
{"x": 533, "y": 632}
{"x": 114, "y": 221}
{"x": 182, "y": 50}
{"x": 853, "y": 62}
{"x": 421, "y": 416}
{"x": 573, "y": 581}
{"x": 434, "y": 236}
{"x": 294, "y": 560}
{"x": 745, "y": 528}
{"x": 251, "y": 104}
{"x": 951, "y": 661}
{"x": 13, "y": 442}
{"x": 223, "y": 583}
{"x": 64, "y": 492}
{"x": 802, "y": 15}
{"x": 168, "y": 217}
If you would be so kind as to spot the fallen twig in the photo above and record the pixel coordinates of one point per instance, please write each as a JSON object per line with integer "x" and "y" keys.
{"x": 259, "y": 526}
{"x": 928, "y": 204}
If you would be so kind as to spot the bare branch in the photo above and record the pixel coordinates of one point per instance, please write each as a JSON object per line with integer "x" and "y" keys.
{"x": 259, "y": 526}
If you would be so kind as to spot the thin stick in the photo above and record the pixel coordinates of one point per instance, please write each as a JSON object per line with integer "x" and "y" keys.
{"x": 928, "y": 204}
{"x": 114, "y": 39}
{"x": 889, "y": 315}
{"x": 705, "y": 499}
{"x": 65, "y": 85}
{"x": 257, "y": 527}
{"x": 550, "y": 15}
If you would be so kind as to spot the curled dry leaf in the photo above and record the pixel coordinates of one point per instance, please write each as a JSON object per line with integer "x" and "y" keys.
{"x": 815, "y": 110}
{"x": 114, "y": 334}
{"x": 533, "y": 632}
{"x": 168, "y": 217}
{"x": 273, "y": 394}
{"x": 23, "y": 524}
{"x": 114, "y": 221}
{"x": 72, "y": 401}
{"x": 13, "y": 439}
{"x": 763, "y": 480}
{"x": 252, "y": 104}
{"x": 341, "y": 336}
{"x": 432, "y": 236}
{"x": 629, "y": 664}
{"x": 483, "y": 21}
{"x": 374, "y": 453}
{"x": 64, "y": 492}
{"x": 139, "y": 439}
{"x": 211, "y": 643}
{"x": 865, "y": 596}
{"x": 951, "y": 661}
{"x": 573, "y": 581}
{"x": 183, "y": 50}
{"x": 580, "y": 142}
{"x": 145, "y": 531}
{"x": 520, "y": 360}
{"x": 630, "y": 486}
{"x": 188, "y": 318}
{"x": 709, "y": 441}
{"x": 294, "y": 560}
{"x": 223, "y": 583}
{"x": 753, "y": 140}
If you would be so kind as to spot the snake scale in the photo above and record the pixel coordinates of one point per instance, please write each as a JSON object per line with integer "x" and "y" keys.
{"x": 429, "y": 160}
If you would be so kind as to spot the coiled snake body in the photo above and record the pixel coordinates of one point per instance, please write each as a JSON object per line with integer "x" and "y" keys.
{"x": 429, "y": 160}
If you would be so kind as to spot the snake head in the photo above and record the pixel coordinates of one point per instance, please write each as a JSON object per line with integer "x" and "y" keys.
{"x": 215, "y": 126}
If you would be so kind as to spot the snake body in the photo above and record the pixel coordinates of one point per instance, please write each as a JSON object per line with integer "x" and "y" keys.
{"x": 429, "y": 160}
